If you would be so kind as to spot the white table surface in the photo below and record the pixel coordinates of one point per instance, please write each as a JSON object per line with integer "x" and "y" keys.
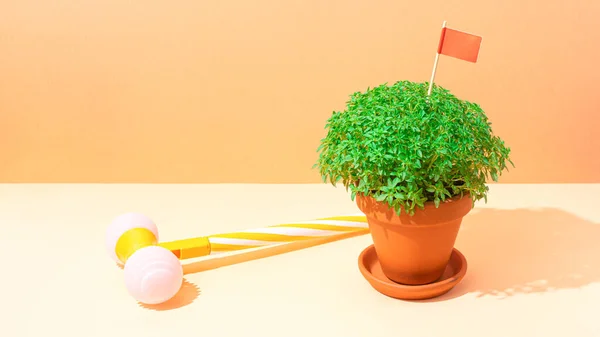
{"x": 533, "y": 254}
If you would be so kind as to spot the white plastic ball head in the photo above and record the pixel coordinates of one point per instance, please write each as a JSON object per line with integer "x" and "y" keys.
{"x": 123, "y": 223}
{"x": 153, "y": 275}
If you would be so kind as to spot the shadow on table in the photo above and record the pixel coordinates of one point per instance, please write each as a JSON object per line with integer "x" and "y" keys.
{"x": 186, "y": 295}
{"x": 525, "y": 251}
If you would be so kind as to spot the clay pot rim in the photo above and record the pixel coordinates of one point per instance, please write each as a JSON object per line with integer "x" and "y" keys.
{"x": 455, "y": 198}
{"x": 378, "y": 210}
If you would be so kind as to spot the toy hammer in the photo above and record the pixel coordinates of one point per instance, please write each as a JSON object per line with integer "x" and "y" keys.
{"x": 153, "y": 271}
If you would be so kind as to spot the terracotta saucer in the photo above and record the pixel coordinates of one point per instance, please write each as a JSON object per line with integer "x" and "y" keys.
{"x": 370, "y": 268}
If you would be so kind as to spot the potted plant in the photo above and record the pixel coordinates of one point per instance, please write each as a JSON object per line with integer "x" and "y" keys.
{"x": 415, "y": 164}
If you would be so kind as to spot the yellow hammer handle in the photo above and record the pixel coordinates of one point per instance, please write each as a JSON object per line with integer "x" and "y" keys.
{"x": 278, "y": 234}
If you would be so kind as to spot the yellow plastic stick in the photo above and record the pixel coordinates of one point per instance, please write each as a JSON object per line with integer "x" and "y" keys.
{"x": 261, "y": 237}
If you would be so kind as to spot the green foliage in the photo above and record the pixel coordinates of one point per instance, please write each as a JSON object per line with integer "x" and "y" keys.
{"x": 400, "y": 146}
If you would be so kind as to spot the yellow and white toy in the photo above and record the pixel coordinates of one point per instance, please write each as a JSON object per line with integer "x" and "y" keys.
{"x": 153, "y": 271}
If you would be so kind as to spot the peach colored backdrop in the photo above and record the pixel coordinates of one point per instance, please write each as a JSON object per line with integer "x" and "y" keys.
{"x": 239, "y": 91}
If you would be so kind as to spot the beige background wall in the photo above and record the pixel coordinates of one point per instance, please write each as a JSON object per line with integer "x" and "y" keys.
{"x": 239, "y": 91}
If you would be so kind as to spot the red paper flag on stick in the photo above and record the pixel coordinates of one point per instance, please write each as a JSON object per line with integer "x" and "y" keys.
{"x": 457, "y": 44}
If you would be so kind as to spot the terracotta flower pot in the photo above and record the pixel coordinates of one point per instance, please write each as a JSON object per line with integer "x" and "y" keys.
{"x": 414, "y": 250}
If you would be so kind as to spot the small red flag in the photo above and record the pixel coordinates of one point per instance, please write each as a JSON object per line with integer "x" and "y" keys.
{"x": 459, "y": 44}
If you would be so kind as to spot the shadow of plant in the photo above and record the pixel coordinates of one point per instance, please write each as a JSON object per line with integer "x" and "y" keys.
{"x": 526, "y": 251}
